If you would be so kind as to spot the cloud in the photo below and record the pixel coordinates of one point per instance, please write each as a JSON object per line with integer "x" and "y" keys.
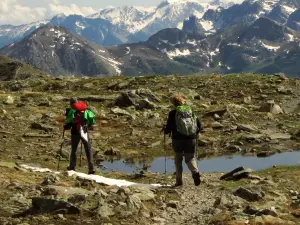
{"x": 11, "y": 12}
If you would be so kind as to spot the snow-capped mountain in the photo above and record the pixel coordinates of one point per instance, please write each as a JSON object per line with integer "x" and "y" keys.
{"x": 9, "y": 33}
{"x": 57, "y": 51}
{"x": 129, "y": 17}
{"x": 294, "y": 20}
{"x": 248, "y": 47}
{"x": 248, "y": 12}
{"x": 113, "y": 26}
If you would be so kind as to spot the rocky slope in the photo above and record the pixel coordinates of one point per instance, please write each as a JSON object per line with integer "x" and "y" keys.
{"x": 58, "y": 52}
{"x": 13, "y": 70}
{"x": 241, "y": 113}
{"x": 246, "y": 113}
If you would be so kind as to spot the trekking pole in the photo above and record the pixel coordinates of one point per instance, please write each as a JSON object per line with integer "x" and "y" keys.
{"x": 80, "y": 161}
{"x": 197, "y": 152}
{"x": 165, "y": 150}
{"x": 60, "y": 151}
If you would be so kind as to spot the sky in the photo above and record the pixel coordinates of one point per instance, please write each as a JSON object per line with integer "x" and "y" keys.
{"x": 18, "y": 12}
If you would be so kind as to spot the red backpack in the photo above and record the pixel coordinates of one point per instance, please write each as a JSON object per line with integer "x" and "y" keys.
{"x": 80, "y": 108}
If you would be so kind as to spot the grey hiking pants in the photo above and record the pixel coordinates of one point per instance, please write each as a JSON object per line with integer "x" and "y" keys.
{"x": 75, "y": 139}
{"x": 186, "y": 149}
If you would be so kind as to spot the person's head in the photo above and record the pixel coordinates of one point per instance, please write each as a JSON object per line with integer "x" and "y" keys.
{"x": 178, "y": 100}
{"x": 73, "y": 100}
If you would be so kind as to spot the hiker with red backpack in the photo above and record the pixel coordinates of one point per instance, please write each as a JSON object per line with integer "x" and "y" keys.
{"x": 184, "y": 127}
{"x": 80, "y": 119}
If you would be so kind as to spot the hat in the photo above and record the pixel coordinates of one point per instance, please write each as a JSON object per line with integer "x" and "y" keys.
{"x": 73, "y": 100}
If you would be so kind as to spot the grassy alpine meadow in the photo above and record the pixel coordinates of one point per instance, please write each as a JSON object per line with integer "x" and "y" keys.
{"x": 249, "y": 114}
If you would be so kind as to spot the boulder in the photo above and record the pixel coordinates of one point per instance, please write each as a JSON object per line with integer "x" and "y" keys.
{"x": 246, "y": 127}
{"x": 249, "y": 195}
{"x": 122, "y": 112}
{"x": 285, "y": 91}
{"x": 144, "y": 194}
{"x": 9, "y": 100}
{"x": 220, "y": 113}
{"x": 247, "y": 100}
{"x": 271, "y": 107}
{"x": 118, "y": 85}
{"x": 217, "y": 125}
{"x": 50, "y": 179}
{"x": 112, "y": 152}
{"x": 140, "y": 99}
{"x": 105, "y": 211}
{"x": 259, "y": 212}
{"x": 45, "y": 205}
{"x": 41, "y": 126}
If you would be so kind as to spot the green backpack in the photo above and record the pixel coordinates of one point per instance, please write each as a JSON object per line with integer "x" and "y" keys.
{"x": 186, "y": 120}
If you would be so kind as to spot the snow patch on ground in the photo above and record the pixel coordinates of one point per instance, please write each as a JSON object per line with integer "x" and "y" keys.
{"x": 96, "y": 178}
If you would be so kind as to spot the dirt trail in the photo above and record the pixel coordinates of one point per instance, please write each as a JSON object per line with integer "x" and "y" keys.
{"x": 195, "y": 203}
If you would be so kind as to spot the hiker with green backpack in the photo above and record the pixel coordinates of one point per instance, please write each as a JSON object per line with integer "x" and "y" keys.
{"x": 184, "y": 127}
{"x": 80, "y": 120}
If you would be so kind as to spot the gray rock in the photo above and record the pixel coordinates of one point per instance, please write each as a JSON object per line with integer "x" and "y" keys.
{"x": 118, "y": 85}
{"x": 9, "y": 100}
{"x": 122, "y": 112}
{"x": 105, "y": 211}
{"x": 46, "y": 205}
{"x": 112, "y": 152}
{"x": 249, "y": 195}
{"x": 50, "y": 179}
{"x": 258, "y": 212}
{"x": 228, "y": 201}
{"x": 247, "y": 100}
{"x": 140, "y": 99}
{"x": 173, "y": 204}
{"x": 246, "y": 127}
{"x": 77, "y": 198}
{"x": 217, "y": 125}
{"x": 271, "y": 107}
{"x": 285, "y": 91}
{"x": 143, "y": 194}
{"x": 41, "y": 126}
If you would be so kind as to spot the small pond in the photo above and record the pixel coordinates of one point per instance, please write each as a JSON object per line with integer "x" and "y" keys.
{"x": 216, "y": 164}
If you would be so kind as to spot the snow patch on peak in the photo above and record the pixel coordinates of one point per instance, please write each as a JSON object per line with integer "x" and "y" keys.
{"x": 80, "y": 25}
{"x": 270, "y": 47}
{"x": 177, "y": 52}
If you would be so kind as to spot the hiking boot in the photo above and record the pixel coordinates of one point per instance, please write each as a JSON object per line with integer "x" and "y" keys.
{"x": 70, "y": 168}
{"x": 91, "y": 172}
{"x": 177, "y": 184}
{"x": 196, "y": 177}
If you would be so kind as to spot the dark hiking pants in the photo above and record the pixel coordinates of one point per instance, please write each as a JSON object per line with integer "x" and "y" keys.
{"x": 186, "y": 149}
{"x": 75, "y": 139}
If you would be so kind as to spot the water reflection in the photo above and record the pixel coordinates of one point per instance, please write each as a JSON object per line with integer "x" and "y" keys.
{"x": 216, "y": 164}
